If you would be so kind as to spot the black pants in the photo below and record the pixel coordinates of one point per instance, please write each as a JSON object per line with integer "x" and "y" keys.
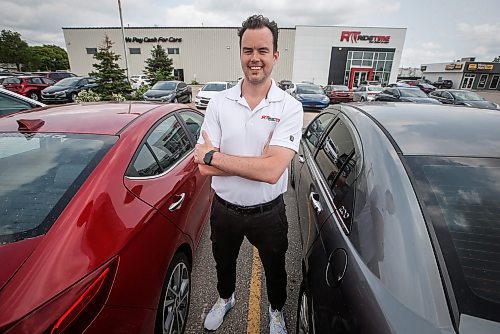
{"x": 267, "y": 231}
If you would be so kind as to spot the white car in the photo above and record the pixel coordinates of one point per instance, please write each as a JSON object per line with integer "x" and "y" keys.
{"x": 11, "y": 102}
{"x": 208, "y": 91}
{"x": 138, "y": 81}
{"x": 366, "y": 93}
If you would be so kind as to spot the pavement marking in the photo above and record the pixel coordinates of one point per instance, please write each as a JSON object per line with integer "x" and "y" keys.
{"x": 253, "y": 320}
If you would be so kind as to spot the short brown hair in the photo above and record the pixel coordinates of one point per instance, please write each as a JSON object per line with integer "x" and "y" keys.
{"x": 257, "y": 22}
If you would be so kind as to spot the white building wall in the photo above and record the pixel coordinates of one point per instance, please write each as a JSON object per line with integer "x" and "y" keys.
{"x": 205, "y": 54}
{"x": 438, "y": 70}
{"x": 313, "y": 45}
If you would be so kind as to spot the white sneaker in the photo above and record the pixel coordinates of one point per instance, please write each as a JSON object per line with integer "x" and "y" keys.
{"x": 276, "y": 322}
{"x": 216, "y": 315}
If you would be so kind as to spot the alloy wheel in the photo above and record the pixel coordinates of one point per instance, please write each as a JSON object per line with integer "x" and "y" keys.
{"x": 303, "y": 316}
{"x": 175, "y": 305}
{"x": 34, "y": 96}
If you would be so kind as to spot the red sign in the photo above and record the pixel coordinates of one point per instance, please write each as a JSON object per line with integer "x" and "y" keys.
{"x": 355, "y": 36}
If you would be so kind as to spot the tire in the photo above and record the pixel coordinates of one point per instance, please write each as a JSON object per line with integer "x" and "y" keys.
{"x": 304, "y": 318}
{"x": 173, "y": 308}
{"x": 176, "y": 100}
{"x": 362, "y": 99}
{"x": 190, "y": 98}
{"x": 34, "y": 96}
{"x": 73, "y": 97}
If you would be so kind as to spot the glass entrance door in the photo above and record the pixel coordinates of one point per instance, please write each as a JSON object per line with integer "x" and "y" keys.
{"x": 468, "y": 81}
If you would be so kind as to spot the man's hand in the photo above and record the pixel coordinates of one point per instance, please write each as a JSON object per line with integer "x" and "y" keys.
{"x": 201, "y": 149}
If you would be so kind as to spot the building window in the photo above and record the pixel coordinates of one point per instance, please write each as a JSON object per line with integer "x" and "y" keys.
{"x": 482, "y": 80}
{"x": 380, "y": 62}
{"x": 173, "y": 51}
{"x": 91, "y": 51}
{"x": 494, "y": 82}
{"x": 135, "y": 51}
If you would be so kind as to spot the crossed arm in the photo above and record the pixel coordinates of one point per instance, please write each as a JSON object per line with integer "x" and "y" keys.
{"x": 266, "y": 168}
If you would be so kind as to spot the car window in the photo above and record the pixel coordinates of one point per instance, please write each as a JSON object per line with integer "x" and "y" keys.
{"x": 168, "y": 143}
{"x": 316, "y": 129}
{"x": 193, "y": 122}
{"x": 47, "y": 81}
{"x": 436, "y": 94}
{"x": 337, "y": 161}
{"x": 83, "y": 82}
{"x": 40, "y": 173}
{"x": 37, "y": 81}
{"x": 12, "y": 81}
{"x": 182, "y": 85}
{"x": 9, "y": 104}
{"x": 460, "y": 197}
{"x": 447, "y": 95}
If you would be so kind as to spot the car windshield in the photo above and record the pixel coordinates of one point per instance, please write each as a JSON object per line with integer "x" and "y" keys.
{"x": 164, "y": 85}
{"x": 341, "y": 88}
{"x": 412, "y": 92}
{"x": 461, "y": 198}
{"x": 374, "y": 88}
{"x": 39, "y": 174}
{"x": 68, "y": 82}
{"x": 309, "y": 89}
{"x": 467, "y": 96}
{"x": 214, "y": 87}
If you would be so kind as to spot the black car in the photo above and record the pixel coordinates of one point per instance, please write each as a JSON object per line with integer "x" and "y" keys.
{"x": 169, "y": 91}
{"x": 66, "y": 90}
{"x": 440, "y": 84}
{"x": 404, "y": 94}
{"x": 398, "y": 215}
{"x": 285, "y": 84}
{"x": 462, "y": 97}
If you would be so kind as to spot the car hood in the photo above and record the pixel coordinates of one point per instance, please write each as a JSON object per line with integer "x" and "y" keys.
{"x": 13, "y": 255}
{"x": 207, "y": 94}
{"x": 312, "y": 97}
{"x": 54, "y": 89}
{"x": 480, "y": 104}
{"x": 425, "y": 100}
{"x": 158, "y": 93}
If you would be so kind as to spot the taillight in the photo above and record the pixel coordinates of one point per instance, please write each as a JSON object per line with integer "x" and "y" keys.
{"x": 72, "y": 310}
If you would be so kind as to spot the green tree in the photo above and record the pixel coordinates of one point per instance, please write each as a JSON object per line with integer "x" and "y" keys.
{"x": 13, "y": 50}
{"x": 496, "y": 60}
{"x": 110, "y": 78}
{"x": 47, "y": 58}
{"x": 159, "y": 67}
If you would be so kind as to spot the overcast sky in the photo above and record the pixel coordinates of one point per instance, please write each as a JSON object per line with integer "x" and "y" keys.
{"x": 437, "y": 30}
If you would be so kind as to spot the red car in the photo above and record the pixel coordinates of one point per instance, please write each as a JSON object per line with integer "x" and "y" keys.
{"x": 338, "y": 93}
{"x": 102, "y": 210}
{"x": 28, "y": 85}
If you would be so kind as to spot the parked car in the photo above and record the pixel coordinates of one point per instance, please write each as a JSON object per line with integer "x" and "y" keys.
{"x": 66, "y": 90}
{"x": 285, "y": 84}
{"x": 338, "y": 93}
{"x": 11, "y": 102}
{"x": 463, "y": 97}
{"x": 404, "y": 94}
{"x": 139, "y": 81}
{"x": 311, "y": 96}
{"x": 443, "y": 83}
{"x": 102, "y": 210}
{"x": 30, "y": 86}
{"x": 56, "y": 76}
{"x": 397, "y": 205}
{"x": 169, "y": 91}
{"x": 366, "y": 93}
{"x": 208, "y": 91}
{"x": 425, "y": 87}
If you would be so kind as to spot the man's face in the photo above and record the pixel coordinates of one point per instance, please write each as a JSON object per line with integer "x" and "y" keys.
{"x": 257, "y": 55}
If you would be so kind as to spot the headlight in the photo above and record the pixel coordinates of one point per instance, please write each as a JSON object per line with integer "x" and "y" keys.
{"x": 62, "y": 92}
{"x": 166, "y": 97}
{"x": 326, "y": 99}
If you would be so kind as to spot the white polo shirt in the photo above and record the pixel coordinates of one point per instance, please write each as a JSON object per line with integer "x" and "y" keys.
{"x": 237, "y": 130}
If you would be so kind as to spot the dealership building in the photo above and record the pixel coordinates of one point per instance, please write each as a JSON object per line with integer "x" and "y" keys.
{"x": 319, "y": 54}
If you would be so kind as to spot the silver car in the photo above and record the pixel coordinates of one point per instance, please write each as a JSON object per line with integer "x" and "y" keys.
{"x": 366, "y": 93}
{"x": 399, "y": 215}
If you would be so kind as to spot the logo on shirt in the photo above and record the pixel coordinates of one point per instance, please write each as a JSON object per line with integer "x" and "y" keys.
{"x": 291, "y": 138}
{"x": 270, "y": 119}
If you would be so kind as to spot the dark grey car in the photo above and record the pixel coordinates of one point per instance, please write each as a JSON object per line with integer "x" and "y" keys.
{"x": 169, "y": 91}
{"x": 399, "y": 217}
{"x": 462, "y": 97}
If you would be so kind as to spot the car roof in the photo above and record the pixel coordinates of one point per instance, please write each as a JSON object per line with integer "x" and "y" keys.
{"x": 95, "y": 118}
{"x": 443, "y": 130}
{"x": 217, "y": 82}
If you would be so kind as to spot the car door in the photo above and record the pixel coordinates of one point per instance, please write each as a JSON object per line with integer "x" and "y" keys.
{"x": 10, "y": 104}
{"x": 336, "y": 162}
{"x": 306, "y": 182}
{"x": 183, "y": 93}
{"x": 164, "y": 175}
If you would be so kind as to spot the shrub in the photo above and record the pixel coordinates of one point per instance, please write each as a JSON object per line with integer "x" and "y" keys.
{"x": 117, "y": 97}
{"x": 138, "y": 93}
{"x": 87, "y": 96}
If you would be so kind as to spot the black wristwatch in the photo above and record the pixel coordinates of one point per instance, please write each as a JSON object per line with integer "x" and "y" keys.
{"x": 207, "y": 159}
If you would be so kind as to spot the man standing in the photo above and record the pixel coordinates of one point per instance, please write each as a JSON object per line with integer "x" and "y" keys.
{"x": 250, "y": 134}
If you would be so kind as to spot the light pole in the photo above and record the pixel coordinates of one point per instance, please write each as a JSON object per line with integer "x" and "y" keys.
{"x": 123, "y": 38}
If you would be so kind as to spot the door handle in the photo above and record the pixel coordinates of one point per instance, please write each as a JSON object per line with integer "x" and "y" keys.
{"x": 301, "y": 159}
{"x": 314, "y": 197}
{"x": 177, "y": 205}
